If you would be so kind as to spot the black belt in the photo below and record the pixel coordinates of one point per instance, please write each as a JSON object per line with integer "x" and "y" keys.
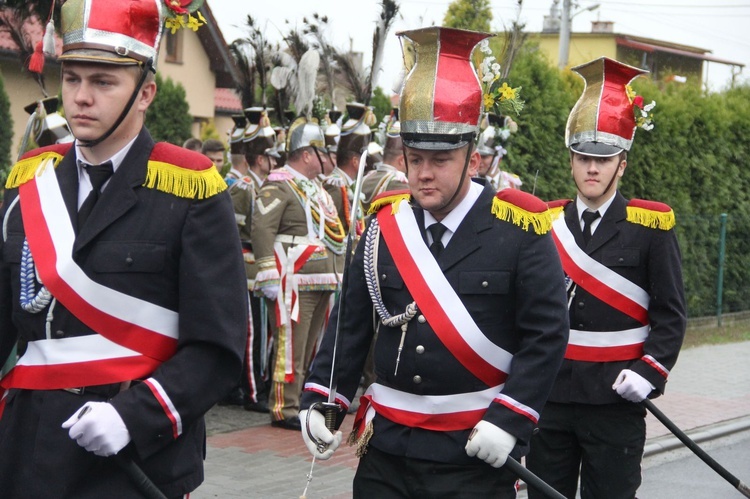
{"x": 107, "y": 391}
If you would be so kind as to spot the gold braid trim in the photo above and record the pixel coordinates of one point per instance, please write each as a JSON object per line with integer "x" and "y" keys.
{"x": 541, "y": 222}
{"x": 650, "y": 218}
{"x": 393, "y": 200}
{"x": 183, "y": 182}
{"x": 24, "y": 170}
{"x": 361, "y": 442}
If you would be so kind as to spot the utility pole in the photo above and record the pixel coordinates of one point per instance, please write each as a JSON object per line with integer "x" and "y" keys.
{"x": 562, "y": 57}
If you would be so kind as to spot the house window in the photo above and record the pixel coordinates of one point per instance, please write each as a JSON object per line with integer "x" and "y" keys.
{"x": 173, "y": 46}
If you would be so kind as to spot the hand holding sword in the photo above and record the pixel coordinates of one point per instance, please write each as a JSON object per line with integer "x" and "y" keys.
{"x": 330, "y": 409}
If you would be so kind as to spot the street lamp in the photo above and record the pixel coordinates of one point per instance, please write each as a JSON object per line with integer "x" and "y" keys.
{"x": 565, "y": 23}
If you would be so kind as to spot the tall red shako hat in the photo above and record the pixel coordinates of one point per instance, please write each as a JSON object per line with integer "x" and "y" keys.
{"x": 602, "y": 123}
{"x": 441, "y": 100}
{"x": 112, "y": 32}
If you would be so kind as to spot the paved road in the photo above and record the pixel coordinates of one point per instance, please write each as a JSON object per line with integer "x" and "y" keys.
{"x": 708, "y": 394}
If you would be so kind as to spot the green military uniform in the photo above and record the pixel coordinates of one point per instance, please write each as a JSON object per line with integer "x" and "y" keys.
{"x": 296, "y": 251}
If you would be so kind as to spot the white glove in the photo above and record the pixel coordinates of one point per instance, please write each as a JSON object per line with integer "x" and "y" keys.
{"x": 98, "y": 428}
{"x": 271, "y": 291}
{"x": 632, "y": 386}
{"x": 319, "y": 432}
{"x": 490, "y": 444}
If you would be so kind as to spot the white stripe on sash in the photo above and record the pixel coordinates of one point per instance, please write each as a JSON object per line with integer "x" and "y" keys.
{"x": 608, "y": 338}
{"x": 444, "y": 293}
{"x": 120, "y": 305}
{"x": 596, "y": 270}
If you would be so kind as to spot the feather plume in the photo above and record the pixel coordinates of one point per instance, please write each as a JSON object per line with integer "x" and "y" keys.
{"x": 246, "y": 83}
{"x": 353, "y": 79}
{"x": 387, "y": 16}
{"x": 307, "y": 75}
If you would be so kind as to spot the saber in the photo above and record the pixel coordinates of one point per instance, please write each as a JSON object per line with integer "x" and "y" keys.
{"x": 331, "y": 408}
{"x": 531, "y": 479}
{"x": 690, "y": 444}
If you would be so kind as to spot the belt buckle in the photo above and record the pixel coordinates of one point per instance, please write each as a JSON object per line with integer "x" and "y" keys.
{"x": 75, "y": 391}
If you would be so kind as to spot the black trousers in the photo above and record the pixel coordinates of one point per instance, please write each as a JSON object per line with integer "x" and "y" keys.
{"x": 604, "y": 442}
{"x": 380, "y": 475}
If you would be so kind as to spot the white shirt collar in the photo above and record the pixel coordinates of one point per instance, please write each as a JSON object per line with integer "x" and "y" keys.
{"x": 457, "y": 215}
{"x": 581, "y": 206}
{"x": 84, "y": 183}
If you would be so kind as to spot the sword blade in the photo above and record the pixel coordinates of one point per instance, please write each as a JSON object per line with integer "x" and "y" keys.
{"x": 347, "y": 260}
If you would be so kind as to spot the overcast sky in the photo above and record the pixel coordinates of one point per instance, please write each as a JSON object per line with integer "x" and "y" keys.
{"x": 720, "y": 26}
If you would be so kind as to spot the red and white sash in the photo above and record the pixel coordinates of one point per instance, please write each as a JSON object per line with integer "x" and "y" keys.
{"x": 438, "y": 301}
{"x": 610, "y": 287}
{"x": 135, "y": 336}
{"x": 288, "y": 265}
{"x": 600, "y": 281}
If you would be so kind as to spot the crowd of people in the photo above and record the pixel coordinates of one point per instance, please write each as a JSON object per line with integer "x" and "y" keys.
{"x": 481, "y": 323}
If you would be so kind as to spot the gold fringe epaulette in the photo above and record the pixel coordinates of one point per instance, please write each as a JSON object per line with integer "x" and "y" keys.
{"x": 522, "y": 209}
{"x": 183, "y": 182}
{"x": 650, "y": 214}
{"x": 392, "y": 198}
{"x": 24, "y": 170}
{"x": 556, "y": 208}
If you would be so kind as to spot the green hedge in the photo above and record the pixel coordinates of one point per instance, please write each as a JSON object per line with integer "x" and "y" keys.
{"x": 695, "y": 159}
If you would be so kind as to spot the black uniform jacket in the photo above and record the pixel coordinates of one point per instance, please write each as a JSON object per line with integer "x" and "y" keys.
{"x": 649, "y": 258}
{"x": 510, "y": 281}
{"x": 177, "y": 252}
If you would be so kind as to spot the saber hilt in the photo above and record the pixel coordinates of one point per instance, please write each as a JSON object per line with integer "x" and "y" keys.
{"x": 330, "y": 412}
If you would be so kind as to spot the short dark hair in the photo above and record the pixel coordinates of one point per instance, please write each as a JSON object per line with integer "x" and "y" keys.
{"x": 193, "y": 144}
{"x": 213, "y": 145}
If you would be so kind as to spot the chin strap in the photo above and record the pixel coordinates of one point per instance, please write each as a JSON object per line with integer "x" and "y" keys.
{"x": 148, "y": 66}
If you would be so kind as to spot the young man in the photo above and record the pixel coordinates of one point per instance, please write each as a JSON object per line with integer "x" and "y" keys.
{"x": 214, "y": 150}
{"x": 127, "y": 337}
{"x": 296, "y": 229}
{"x": 627, "y": 304}
{"x": 471, "y": 326}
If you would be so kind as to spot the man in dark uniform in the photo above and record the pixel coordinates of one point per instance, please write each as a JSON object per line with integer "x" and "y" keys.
{"x": 472, "y": 329}
{"x": 130, "y": 336}
{"x": 627, "y": 304}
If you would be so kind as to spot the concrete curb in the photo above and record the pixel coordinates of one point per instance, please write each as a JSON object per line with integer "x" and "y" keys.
{"x": 702, "y": 434}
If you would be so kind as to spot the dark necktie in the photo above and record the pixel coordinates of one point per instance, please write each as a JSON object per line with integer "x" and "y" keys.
{"x": 588, "y": 219}
{"x": 437, "y": 230}
{"x": 98, "y": 174}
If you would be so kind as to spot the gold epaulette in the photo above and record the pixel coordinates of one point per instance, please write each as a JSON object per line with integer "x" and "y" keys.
{"x": 392, "y": 198}
{"x": 26, "y": 167}
{"x": 650, "y": 214}
{"x": 522, "y": 209}
{"x": 199, "y": 179}
{"x": 556, "y": 208}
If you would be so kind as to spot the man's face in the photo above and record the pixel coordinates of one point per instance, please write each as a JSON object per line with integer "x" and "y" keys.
{"x": 594, "y": 177}
{"x": 434, "y": 177}
{"x": 265, "y": 163}
{"x": 485, "y": 165}
{"x": 217, "y": 157}
{"x": 94, "y": 95}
